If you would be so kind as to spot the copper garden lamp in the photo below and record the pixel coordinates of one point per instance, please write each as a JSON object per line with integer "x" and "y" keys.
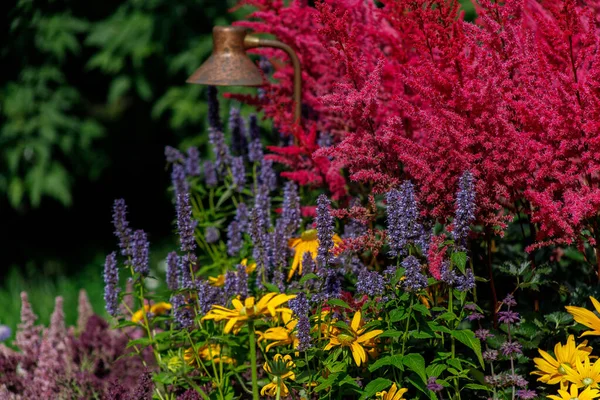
{"x": 229, "y": 65}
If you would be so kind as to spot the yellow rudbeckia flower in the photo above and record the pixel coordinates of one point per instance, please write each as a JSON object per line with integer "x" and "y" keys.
{"x": 393, "y": 394}
{"x": 219, "y": 280}
{"x": 280, "y": 368}
{"x": 584, "y": 374}
{"x": 355, "y": 338}
{"x": 208, "y": 352}
{"x": 156, "y": 309}
{"x": 242, "y": 312}
{"x": 573, "y": 393}
{"x": 306, "y": 243}
{"x": 552, "y": 369}
{"x": 281, "y": 335}
{"x": 587, "y": 317}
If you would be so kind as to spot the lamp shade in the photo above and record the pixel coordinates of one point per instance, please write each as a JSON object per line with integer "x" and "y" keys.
{"x": 228, "y": 65}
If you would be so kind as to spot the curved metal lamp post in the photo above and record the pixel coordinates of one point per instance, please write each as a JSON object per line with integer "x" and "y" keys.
{"x": 229, "y": 65}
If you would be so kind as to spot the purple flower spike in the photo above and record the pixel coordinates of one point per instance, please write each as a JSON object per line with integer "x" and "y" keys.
{"x": 370, "y": 283}
{"x": 239, "y": 141}
{"x": 111, "y": 283}
{"x": 211, "y": 234}
{"x": 210, "y": 174}
{"x": 172, "y": 271}
{"x": 324, "y": 231}
{"x": 173, "y": 155}
{"x": 238, "y": 173}
{"x": 140, "y": 254}
{"x": 402, "y": 219}
{"x": 192, "y": 162}
{"x": 255, "y": 148}
{"x": 300, "y": 307}
{"x": 122, "y": 229}
{"x": 180, "y": 184}
{"x": 220, "y": 149}
{"x": 181, "y": 312}
{"x": 185, "y": 224}
{"x": 465, "y": 209}
{"x": 433, "y": 385}
{"x": 234, "y": 239}
{"x": 414, "y": 278}
{"x": 214, "y": 118}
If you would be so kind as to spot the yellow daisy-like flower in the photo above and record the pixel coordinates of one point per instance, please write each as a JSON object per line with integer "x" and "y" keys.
{"x": 208, "y": 352}
{"x": 219, "y": 280}
{"x": 573, "y": 393}
{"x": 587, "y": 317}
{"x": 306, "y": 243}
{"x": 584, "y": 374}
{"x": 280, "y": 368}
{"x": 156, "y": 309}
{"x": 355, "y": 338}
{"x": 552, "y": 369}
{"x": 282, "y": 335}
{"x": 242, "y": 312}
{"x": 393, "y": 394}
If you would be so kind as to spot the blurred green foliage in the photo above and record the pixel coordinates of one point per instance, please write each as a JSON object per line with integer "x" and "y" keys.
{"x": 74, "y": 68}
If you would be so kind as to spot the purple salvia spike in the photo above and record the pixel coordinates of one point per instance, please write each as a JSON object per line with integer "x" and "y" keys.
{"x": 121, "y": 225}
{"x": 141, "y": 253}
{"x": 180, "y": 184}
{"x": 185, "y": 224}
{"x": 172, "y": 271}
{"x": 324, "y": 231}
{"x": 214, "y": 118}
{"x": 192, "y": 162}
{"x": 238, "y": 173}
{"x": 465, "y": 209}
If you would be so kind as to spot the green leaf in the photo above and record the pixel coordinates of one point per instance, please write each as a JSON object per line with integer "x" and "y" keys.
{"x": 460, "y": 260}
{"x": 391, "y": 333}
{"x": 327, "y": 383}
{"x": 271, "y": 287}
{"x": 435, "y": 369}
{"x": 422, "y": 309}
{"x": 476, "y": 386}
{"x": 308, "y": 277}
{"x": 416, "y": 363}
{"x": 467, "y": 337}
{"x": 395, "y": 360}
{"x": 118, "y": 87}
{"x": 397, "y": 315}
{"x": 375, "y": 386}
{"x": 338, "y": 303}
{"x": 16, "y": 190}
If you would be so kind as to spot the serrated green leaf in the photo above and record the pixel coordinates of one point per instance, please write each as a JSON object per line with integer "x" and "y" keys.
{"x": 422, "y": 309}
{"x": 395, "y": 361}
{"x": 467, "y": 337}
{"x": 376, "y": 385}
{"x": 460, "y": 260}
{"x": 308, "y": 277}
{"x": 338, "y": 303}
{"x": 416, "y": 363}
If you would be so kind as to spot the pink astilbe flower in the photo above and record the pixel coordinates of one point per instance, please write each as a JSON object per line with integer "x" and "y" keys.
{"x": 435, "y": 256}
{"x": 84, "y": 310}
{"x": 412, "y": 91}
{"x": 27, "y": 337}
{"x": 49, "y": 368}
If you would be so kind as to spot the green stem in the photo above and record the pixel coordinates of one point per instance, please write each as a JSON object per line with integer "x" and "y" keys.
{"x": 452, "y": 341}
{"x": 252, "y": 344}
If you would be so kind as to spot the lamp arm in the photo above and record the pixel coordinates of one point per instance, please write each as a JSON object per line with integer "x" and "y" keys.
{"x": 251, "y": 42}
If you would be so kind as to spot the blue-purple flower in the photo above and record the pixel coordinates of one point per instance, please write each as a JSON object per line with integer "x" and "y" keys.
{"x": 370, "y": 283}
{"x": 192, "y": 162}
{"x": 210, "y": 174}
{"x": 403, "y": 221}
{"x": 255, "y": 148}
{"x": 220, "y": 149}
{"x": 465, "y": 209}
{"x": 238, "y": 173}
{"x": 173, "y": 155}
{"x": 140, "y": 253}
{"x": 211, "y": 234}
{"x": 239, "y": 141}
{"x": 172, "y": 271}
{"x": 214, "y": 118}
{"x": 324, "y": 231}
{"x": 414, "y": 278}
{"x": 122, "y": 229}
{"x": 185, "y": 224}
{"x": 111, "y": 283}
{"x": 234, "y": 238}
{"x": 180, "y": 184}
{"x": 300, "y": 307}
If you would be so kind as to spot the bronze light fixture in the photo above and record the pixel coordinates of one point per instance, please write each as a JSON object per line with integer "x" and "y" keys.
{"x": 229, "y": 65}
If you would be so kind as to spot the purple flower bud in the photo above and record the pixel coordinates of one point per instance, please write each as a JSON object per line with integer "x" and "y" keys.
{"x": 255, "y": 148}
{"x": 238, "y": 173}
{"x": 516, "y": 380}
{"x": 300, "y": 307}
{"x": 325, "y": 139}
{"x": 433, "y": 385}
{"x": 509, "y": 300}
{"x": 508, "y": 317}
{"x": 239, "y": 141}
{"x": 192, "y": 163}
{"x": 173, "y": 155}
{"x": 475, "y": 317}
{"x": 187, "y": 263}
{"x": 402, "y": 219}
{"x": 267, "y": 177}
{"x": 470, "y": 307}
{"x": 210, "y": 174}
{"x": 511, "y": 348}
{"x": 172, "y": 271}
{"x": 414, "y": 278}
{"x": 111, "y": 283}
{"x": 181, "y": 311}
{"x": 231, "y": 284}
{"x": 447, "y": 274}
{"x": 370, "y": 283}
{"x": 308, "y": 264}
{"x": 324, "y": 231}
{"x": 483, "y": 334}
{"x": 490, "y": 355}
{"x": 122, "y": 230}
{"x": 234, "y": 239}
{"x": 220, "y": 149}
{"x": 208, "y": 296}
{"x": 466, "y": 282}
{"x": 241, "y": 216}
{"x": 214, "y": 118}
{"x": 185, "y": 224}
{"x": 140, "y": 250}
{"x": 211, "y": 234}
{"x": 465, "y": 209}
{"x": 242, "y": 281}
{"x": 526, "y": 394}
{"x": 180, "y": 184}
